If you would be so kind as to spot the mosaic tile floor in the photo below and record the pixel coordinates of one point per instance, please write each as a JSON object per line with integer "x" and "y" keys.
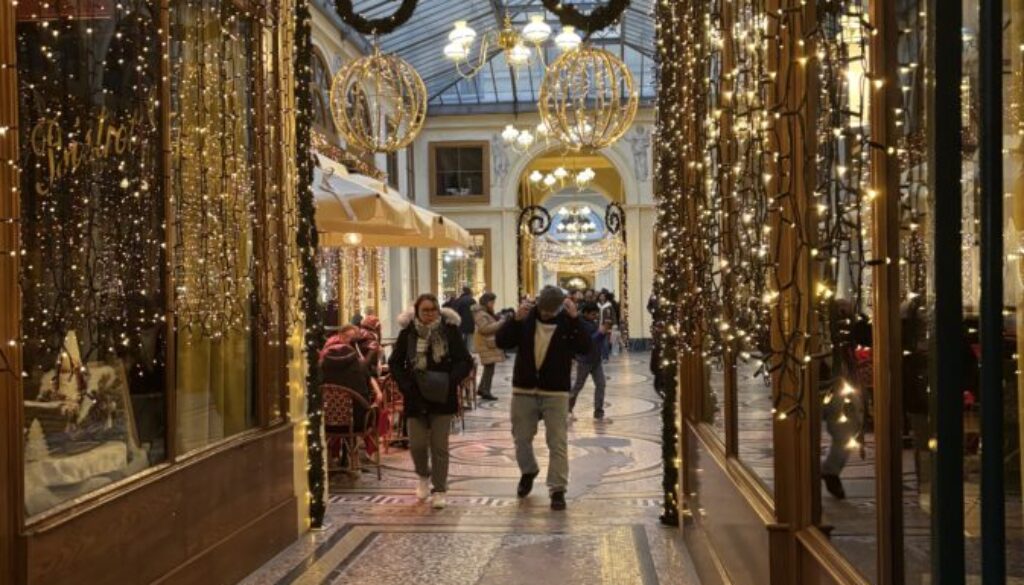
{"x": 378, "y": 533}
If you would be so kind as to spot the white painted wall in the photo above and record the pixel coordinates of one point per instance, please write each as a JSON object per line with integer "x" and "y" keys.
{"x": 501, "y": 215}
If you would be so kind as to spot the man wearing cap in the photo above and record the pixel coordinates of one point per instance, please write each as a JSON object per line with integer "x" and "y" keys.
{"x": 546, "y": 338}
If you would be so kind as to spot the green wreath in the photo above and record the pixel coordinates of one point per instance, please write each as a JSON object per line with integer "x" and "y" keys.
{"x": 599, "y": 18}
{"x": 375, "y": 26}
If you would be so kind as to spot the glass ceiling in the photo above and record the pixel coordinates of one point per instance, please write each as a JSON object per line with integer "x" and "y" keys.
{"x": 497, "y": 86}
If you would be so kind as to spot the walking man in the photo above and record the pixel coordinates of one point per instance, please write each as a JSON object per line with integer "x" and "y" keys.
{"x": 590, "y": 364}
{"x": 547, "y": 336}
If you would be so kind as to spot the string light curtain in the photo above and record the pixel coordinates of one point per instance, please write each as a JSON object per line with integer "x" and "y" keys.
{"x": 763, "y": 226}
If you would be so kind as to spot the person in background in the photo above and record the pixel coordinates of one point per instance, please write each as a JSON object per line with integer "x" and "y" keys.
{"x": 607, "y": 314}
{"x": 342, "y": 364}
{"x": 589, "y": 364}
{"x": 589, "y": 296}
{"x": 487, "y": 325}
{"x": 357, "y": 318}
{"x": 844, "y": 405}
{"x": 367, "y": 340}
{"x": 464, "y": 307}
{"x": 430, "y": 352}
{"x": 547, "y": 337}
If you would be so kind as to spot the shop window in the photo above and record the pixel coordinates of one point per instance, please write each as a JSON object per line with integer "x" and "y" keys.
{"x": 455, "y": 268}
{"x": 92, "y": 229}
{"x": 214, "y": 190}
{"x": 460, "y": 172}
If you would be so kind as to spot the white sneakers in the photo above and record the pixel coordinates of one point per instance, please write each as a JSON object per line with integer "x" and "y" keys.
{"x": 423, "y": 489}
{"x": 423, "y": 494}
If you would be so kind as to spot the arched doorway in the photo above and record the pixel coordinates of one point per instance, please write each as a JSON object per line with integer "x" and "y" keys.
{"x": 571, "y": 232}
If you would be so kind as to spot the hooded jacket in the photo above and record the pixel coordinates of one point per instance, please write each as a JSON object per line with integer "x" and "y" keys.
{"x": 487, "y": 325}
{"x": 457, "y": 363}
{"x": 553, "y": 375}
{"x": 341, "y": 365}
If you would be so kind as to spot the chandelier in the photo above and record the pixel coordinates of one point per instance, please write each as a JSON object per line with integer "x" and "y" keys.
{"x": 522, "y": 140}
{"x": 379, "y": 102}
{"x": 511, "y": 42}
{"x": 576, "y": 225}
{"x": 559, "y": 177}
{"x": 588, "y": 99}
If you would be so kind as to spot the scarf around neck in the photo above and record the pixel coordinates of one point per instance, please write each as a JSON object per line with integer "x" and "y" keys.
{"x": 430, "y": 336}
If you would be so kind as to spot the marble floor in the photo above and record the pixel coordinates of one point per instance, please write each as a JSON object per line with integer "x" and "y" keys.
{"x": 378, "y": 533}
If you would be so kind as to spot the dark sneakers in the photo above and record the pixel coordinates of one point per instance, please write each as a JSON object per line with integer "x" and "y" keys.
{"x": 487, "y": 396}
{"x": 558, "y": 501}
{"x": 834, "y": 486}
{"x": 526, "y": 484}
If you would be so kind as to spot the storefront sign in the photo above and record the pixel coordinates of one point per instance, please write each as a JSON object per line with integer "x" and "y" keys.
{"x": 65, "y": 151}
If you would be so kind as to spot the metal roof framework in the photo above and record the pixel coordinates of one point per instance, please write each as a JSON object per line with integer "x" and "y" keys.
{"x": 498, "y": 87}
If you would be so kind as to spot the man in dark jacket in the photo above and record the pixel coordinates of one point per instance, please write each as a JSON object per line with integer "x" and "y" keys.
{"x": 547, "y": 337}
{"x": 464, "y": 307}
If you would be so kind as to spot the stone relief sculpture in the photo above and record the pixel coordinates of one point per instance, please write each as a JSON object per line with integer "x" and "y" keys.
{"x": 499, "y": 160}
{"x": 640, "y": 145}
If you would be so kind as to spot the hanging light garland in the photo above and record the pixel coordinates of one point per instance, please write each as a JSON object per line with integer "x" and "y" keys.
{"x": 576, "y": 256}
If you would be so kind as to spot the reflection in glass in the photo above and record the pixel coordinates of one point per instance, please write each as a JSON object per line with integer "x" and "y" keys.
{"x": 213, "y": 178}
{"x": 458, "y": 268}
{"x": 92, "y": 209}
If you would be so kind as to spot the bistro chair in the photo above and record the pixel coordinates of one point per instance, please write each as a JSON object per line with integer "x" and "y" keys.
{"x": 394, "y": 408}
{"x": 339, "y": 416}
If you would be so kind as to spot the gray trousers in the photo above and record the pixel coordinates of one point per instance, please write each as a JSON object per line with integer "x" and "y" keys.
{"x": 838, "y": 452}
{"x": 428, "y": 444}
{"x": 529, "y": 410}
{"x": 596, "y": 371}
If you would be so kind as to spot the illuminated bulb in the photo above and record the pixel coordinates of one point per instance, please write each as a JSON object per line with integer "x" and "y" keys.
{"x": 525, "y": 139}
{"x": 853, "y": 444}
{"x": 462, "y": 34}
{"x": 509, "y": 134}
{"x": 456, "y": 52}
{"x": 536, "y": 176}
{"x": 352, "y": 239}
{"x": 561, "y": 173}
{"x": 537, "y": 31}
{"x": 550, "y": 180}
{"x": 518, "y": 55}
{"x": 568, "y": 40}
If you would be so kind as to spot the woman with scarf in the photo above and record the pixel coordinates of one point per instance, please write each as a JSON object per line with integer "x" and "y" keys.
{"x": 429, "y": 361}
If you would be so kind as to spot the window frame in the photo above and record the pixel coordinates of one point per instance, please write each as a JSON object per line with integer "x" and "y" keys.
{"x": 451, "y": 200}
{"x": 435, "y": 275}
{"x": 270, "y": 351}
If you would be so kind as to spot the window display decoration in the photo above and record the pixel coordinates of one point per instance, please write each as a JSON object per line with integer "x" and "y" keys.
{"x": 588, "y": 98}
{"x": 379, "y": 102}
{"x": 91, "y": 256}
{"x": 306, "y": 240}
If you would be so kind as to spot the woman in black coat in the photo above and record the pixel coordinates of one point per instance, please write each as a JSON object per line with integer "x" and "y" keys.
{"x": 430, "y": 341}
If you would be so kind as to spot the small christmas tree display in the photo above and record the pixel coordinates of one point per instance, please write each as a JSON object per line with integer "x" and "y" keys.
{"x": 36, "y": 448}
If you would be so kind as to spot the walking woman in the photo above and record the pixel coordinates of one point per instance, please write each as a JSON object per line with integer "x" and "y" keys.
{"x": 428, "y": 362}
{"x": 487, "y": 325}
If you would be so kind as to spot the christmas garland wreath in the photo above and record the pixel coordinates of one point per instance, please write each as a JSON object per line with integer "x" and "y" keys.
{"x": 375, "y": 26}
{"x": 599, "y": 18}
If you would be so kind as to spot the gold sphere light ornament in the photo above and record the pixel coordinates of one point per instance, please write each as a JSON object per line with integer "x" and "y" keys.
{"x": 379, "y": 102}
{"x": 588, "y": 99}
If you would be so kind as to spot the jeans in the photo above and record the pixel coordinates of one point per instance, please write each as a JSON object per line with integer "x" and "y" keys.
{"x": 838, "y": 452}
{"x": 428, "y": 444}
{"x": 484, "y": 389}
{"x": 527, "y": 411}
{"x": 596, "y": 371}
